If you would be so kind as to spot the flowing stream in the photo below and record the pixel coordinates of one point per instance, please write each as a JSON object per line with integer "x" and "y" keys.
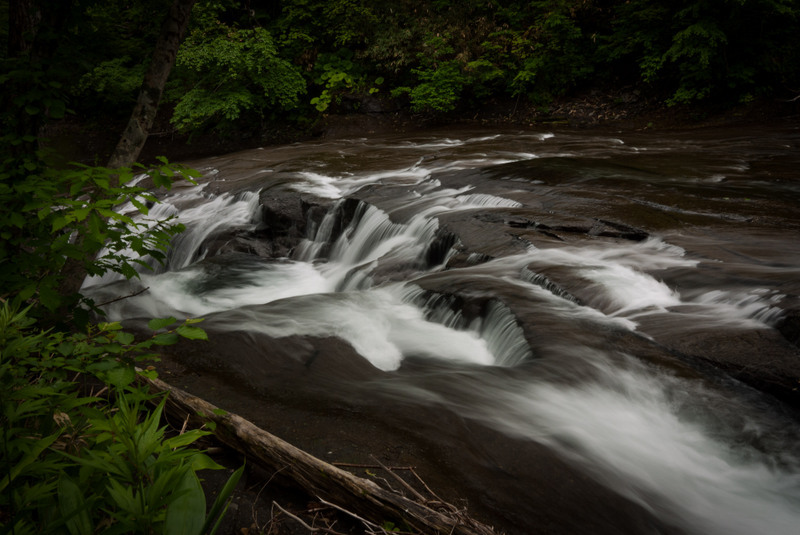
{"x": 576, "y": 319}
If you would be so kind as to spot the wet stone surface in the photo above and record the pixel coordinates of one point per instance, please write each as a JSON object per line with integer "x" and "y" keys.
{"x": 569, "y": 332}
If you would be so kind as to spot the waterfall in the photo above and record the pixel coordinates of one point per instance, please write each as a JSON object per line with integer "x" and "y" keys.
{"x": 503, "y": 335}
{"x": 554, "y": 342}
{"x": 202, "y": 218}
{"x": 356, "y": 251}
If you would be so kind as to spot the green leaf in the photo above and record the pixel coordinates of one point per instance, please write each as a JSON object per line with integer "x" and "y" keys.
{"x": 160, "y": 323}
{"x": 221, "y": 503}
{"x": 185, "y": 513}
{"x": 183, "y": 439}
{"x": 192, "y": 333}
{"x": 35, "y": 450}
{"x": 165, "y": 339}
{"x": 57, "y": 109}
{"x": 121, "y": 376}
{"x": 123, "y": 497}
{"x": 125, "y": 338}
{"x": 139, "y": 205}
{"x": 59, "y": 222}
{"x": 81, "y": 213}
{"x": 49, "y": 297}
{"x": 202, "y": 461}
{"x": 73, "y": 507}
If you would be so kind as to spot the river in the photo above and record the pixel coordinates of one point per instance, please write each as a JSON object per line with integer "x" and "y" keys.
{"x": 576, "y": 331}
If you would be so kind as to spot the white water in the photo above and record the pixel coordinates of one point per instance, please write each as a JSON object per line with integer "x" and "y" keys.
{"x": 383, "y": 324}
{"x": 696, "y": 456}
{"x": 623, "y": 281}
{"x": 656, "y": 439}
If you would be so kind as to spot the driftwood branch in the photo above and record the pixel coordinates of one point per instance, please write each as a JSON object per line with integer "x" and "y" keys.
{"x": 319, "y": 478}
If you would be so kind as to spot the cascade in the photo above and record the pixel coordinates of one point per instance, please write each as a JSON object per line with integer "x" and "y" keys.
{"x": 641, "y": 348}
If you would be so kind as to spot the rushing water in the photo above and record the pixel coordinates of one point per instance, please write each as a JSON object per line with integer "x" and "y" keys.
{"x": 561, "y": 289}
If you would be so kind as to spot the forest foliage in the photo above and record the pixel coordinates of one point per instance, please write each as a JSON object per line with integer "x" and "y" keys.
{"x": 245, "y": 61}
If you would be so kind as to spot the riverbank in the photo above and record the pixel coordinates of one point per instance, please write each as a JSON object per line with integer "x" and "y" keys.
{"x": 625, "y": 110}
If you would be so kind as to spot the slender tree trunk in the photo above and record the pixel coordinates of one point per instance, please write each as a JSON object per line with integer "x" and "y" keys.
{"x": 133, "y": 138}
{"x": 23, "y": 23}
{"x": 141, "y": 121}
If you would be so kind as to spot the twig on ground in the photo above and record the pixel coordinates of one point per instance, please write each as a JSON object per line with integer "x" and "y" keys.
{"x": 408, "y": 487}
{"x": 375, "y": 466}
{"x": 253, "y": 511}
{"x": 312, "y": 529}
{"x": 132, "y": 294}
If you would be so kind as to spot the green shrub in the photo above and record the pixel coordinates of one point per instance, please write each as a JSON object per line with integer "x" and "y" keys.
{"x": 115, "y": 81}
{"x": 223, "y": 72}
{"x": 439, "y": 77}
{"x": 337, "y": 73}
{"x": 82, "y": 464}
{"x": 52, "y": 216}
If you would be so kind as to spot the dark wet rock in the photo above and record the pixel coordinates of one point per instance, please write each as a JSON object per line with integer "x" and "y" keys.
{"x": 596, "y": 227}
{"x": 343, "y": 214}
{"x": 347, "y": 211}
{"x": 440, "y": 247}
{"x": 759, "y": 357}
{"x": 611, "y": 229}
{"x": 241, "y": 242}
{"x": 282, "y": 224}
{"x": 542, "y": 281}
{"x": 461, "y": 258}
{"x": 789, "y": 325}
{"x": 284, "y": 214}
{"x": 479, "y": 236}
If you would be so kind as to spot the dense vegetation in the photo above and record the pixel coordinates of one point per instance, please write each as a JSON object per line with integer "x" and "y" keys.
{"x": 248, "y": 61}
{"x": 79, "y": 450}
{"x": 83, "y": 448}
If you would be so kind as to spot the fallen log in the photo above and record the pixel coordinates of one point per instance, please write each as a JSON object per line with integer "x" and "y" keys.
{"x": 319, "y": 478}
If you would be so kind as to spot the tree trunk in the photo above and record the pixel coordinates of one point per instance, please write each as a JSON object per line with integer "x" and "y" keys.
{"x": 318, "y": 478}
{"x": 23, "y": 24}
{"x": 133, "y": 138}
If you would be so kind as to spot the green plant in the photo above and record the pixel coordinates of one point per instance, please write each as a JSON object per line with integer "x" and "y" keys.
{"x": 337, "y": 73}
{"x": 54, "y": 218}
{"x": 553, "y": 53}
{"x": 439, "y": 76}
{"x": 389, "y": 527}
{"x": 81, "y": 464}
{"x": 115, "y": 81}
{"x": 699, "y": 49}
{"x": 223, "y": 72}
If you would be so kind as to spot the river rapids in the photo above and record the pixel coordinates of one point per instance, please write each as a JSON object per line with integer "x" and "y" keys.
{"x": 579, "y": 332}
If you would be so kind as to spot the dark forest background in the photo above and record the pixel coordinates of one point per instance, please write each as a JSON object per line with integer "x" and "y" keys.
{"x": 245, "y": 63}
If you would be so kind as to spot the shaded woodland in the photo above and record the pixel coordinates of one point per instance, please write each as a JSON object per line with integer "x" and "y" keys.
{"x": 73, "y": 405}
